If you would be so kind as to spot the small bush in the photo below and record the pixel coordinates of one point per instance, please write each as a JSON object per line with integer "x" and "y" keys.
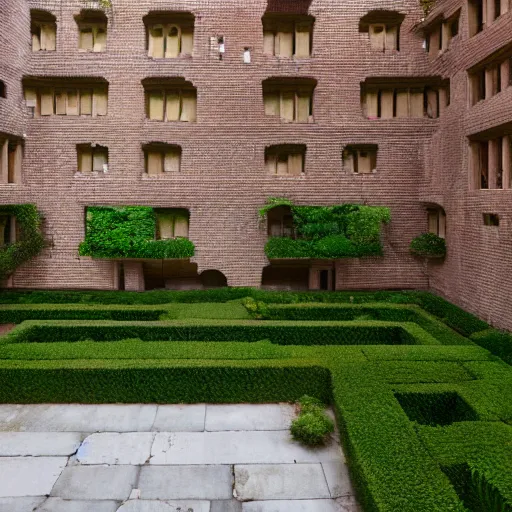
{"x": 428, "y": 245}
{"x": 307, "y": 403}
{"x": 256, "y": 309}
{"x": 312, "y": 426}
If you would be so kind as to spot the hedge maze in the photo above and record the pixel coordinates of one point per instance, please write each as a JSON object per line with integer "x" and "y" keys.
{"x": 422, "y": 390}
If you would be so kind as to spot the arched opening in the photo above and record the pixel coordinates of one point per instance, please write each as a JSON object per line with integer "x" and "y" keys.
{"x": 213, "y": 279}
{"x": 286, "y": 276}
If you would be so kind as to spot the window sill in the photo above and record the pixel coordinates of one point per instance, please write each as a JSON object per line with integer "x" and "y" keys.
{"x": 286, "y": 177}
{"x": 163, "y": 175}
{"x": 93, "y": 174}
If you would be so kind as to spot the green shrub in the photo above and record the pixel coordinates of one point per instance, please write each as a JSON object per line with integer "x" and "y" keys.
{"x": 428, "y": 245}
{"x": 497, "y": 342}
{"x": 307, "y": 403}
{"x": 256, "y": 309}
{"x": 312, "y": 427}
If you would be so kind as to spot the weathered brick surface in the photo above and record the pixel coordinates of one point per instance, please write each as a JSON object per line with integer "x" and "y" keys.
{"x": 223, "y": 180}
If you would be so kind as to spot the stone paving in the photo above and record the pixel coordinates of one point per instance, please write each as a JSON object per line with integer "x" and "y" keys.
{"x": 167, "y": 458}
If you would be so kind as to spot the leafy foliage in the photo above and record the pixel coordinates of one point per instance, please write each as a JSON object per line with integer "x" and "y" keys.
{"x": 429, "y": 245}
{"x": 30, "y": 242}
{"x": 312, "y": 427}
{"x": 129, "y": 232}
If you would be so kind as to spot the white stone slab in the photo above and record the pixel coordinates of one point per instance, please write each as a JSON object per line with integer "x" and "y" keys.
{"x": 14, "y": 444}
{"x": 338, "y": 479}
{"x": 60, "y": 505}
{"x": 96, "y": 482}
{"x": 164, "y": 506}
{"x": 29, "y": 476}
{"x": 226, "y": 506}
{"x": 280, "y": 482}
{"x": 109, "y": 448}
{"x": 20, "y": 504}
{"x": 236, "y": 448}
{"x": 186, "y": 482}
{"x": 249, "y": 417}
{"x": 292, "y": 506}
{"x": 180, "y": 418}
{"x": 79, "y": 418}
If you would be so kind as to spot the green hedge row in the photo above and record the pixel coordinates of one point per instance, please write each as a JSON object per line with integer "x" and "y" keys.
{"x": 291, "y": 333}
{"x": 497, "y": 342}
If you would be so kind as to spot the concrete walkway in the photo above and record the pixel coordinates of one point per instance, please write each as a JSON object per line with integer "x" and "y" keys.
{"x": 168, "y": 458}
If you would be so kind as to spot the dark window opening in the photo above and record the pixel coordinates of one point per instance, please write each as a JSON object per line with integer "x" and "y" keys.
{"x": 491, "y": 219}
{"x": 3, "y": 93}
{"x": 324, "y": 280}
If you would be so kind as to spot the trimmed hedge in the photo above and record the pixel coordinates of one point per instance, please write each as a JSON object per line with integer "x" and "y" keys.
{"x": 497, "y": 342}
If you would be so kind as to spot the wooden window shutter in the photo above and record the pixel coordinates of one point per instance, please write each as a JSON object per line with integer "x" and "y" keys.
{"x": 282, "y": 164}
{"x": 402, "y": 103}
{"x": 271, "y": 164}
{"x": 100, "y": 102}
{"x": 391, "y": 37}
{"x": 416, "y": 103}
{"x": 285, "y": 44}
{"x": 72, "y": 103}
{"x": 432, "y": 221}
{"x": 288, "y": 106}
{"x": 46, "y": 102}
{"x": 372, "y": 104}
{"x": 348, "y": 160}
{"x": 296, "y": 164}
{"x": 271, "y": 101}
{"x": 99, "y": 159}
{"x": 181, "y": 226}
{"x": 31, "y": 98}
{"x": 86, "y": 39}
{"x": 275, "y": 228}
{"x": 303, "y": 108}
{"x": 156, "y": 106}
{"x": 188, "y": 106}
{"x": 386, "y": 104}
{"x": 166, "y": 226}
{"x": 11, "y": 164}
{"x": 172, "y": 161}
{"x": 432, "y": 103}
{"x": 442, "y": 225}
{"x": 155, "y": 163}
{"x": 86, "y": 103}
{"x": 60, "y": 103}
{"x": 269, "y": 43}
{"x": 172, "y": 106}
{"x": 364, "y": 162}
{"x": 85, "y": 160}
{"x": 100, "y": 41}
{"x": 36, "y": 40}
{"x": 302, "y": 41}
{"x": 172, "y": 42}
{"x": 377, "y": 37}
{"x": 156, "y": 42}
{"x": 48, "y": 37}
{"x": 187, "y": 42}
{"x": 4, "y": 151}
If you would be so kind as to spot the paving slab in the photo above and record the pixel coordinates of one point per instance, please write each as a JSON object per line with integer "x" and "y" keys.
{"x": 180, "y": 418}
{"x": 20, "y": 504}
{"x": 338, "y": 479}
{"x": 280, "y": 482}
{"x": 78, "y": 418}
{"x": 110, "y": 448}
{"x": 267, "y": 447}
{"x": 186, "y": 482}
{"x": 60, "y": 505}
{"x": 14, "y": 444}
{"x": 292, "y": 506}
{"x": 249, "y": 417}
{"x": 96, "y": 482}
{"x": 29, "y": 476}
{"x": 165, "y": 506}
{"x": 226, "y": 506}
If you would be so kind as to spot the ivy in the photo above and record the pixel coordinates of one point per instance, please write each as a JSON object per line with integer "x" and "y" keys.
{"x": 30, "y": 239}
{"x": 428, "y": 245}
{"x": 129, "y": 232}
{"x": 340, "y": 231}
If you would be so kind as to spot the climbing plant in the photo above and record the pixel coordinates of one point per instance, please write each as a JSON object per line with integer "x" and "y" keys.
{"x": 340, "y": 231}
{"x": 29, "y": 240}
{"x": 428, "y": 245}
{"x": 129, "y": 232}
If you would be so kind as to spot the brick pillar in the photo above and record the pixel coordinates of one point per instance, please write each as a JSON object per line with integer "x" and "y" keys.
{"x": 494, "y": 162}
{"x": 133, "y": 276}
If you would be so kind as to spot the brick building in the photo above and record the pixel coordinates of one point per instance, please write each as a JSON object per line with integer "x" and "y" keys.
{"x": 211, "y": 107}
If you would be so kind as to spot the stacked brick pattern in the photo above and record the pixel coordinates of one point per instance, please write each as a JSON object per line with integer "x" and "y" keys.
{"x": 223, "y": 180}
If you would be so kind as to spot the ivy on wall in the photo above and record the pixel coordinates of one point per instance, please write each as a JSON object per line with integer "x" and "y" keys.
{"x": 129, "y": 232}
{"x": 428, "y": 245}
{"x": 29, "y": 241}
{"x": 340, "y": 231}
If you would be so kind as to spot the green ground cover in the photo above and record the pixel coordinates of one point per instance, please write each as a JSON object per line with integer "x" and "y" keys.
{"x": 425, "y": 413}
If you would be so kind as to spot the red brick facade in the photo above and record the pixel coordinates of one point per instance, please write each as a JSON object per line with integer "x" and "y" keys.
{"x": 223, "y": 180}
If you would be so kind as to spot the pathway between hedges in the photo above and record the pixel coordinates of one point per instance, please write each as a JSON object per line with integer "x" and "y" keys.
{"x": 168, "y": 458}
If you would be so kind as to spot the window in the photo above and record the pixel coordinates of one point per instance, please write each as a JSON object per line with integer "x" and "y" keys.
{"x": 291, "y": 100}
{"x": 383, "y": 28}
{"x": 8, "y": 230}
{"x": 3, "y": 93}
{"x": 171, "y": 223}
{"x": 287, "y": 35}
{"x": 437, "y": 222}
{"x": 435, "y": 41}
{"x": 285, "y": 160}
{"x": 169, "y": 35}
{"x": 280, "y": 222}
{"x": 450, "y": 29}
{"x": 490, "y": 78}
{"x": 43, "y": 29}
{"x": 490, "y": 163}
{"x": 360, "y": 159}
{"x": 93, "y": 38}
{"x": 78, "y": 100}
{"x": 92, "y": 158}
{"x": 481, "y": 13}
{"x": 491, "y": 219}
{"x": 11, "y": 160}
{"x": 162, "y": 158}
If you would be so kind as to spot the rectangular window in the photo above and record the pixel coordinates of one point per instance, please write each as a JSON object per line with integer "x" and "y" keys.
{"x": 285, "y": 161}
{"x": 11, "y": 161}
{"x": 489, "y": 79}
{"x": 92, "y": 158}
{"x": 289, "y": 105}
{"x": 172, "y": 223}
{"x": 360, "y": 160}
{"x": 92, "y": 37}
{"x": 491, "y": 219}
{"x": 171, "y": 105}
{"x": 437, "y": 222}
{"x": 476, "y": 16}
{"x": 491, "y": 163}
{"x": 160, "y": 160}
{"x": 170, "y": 40}
{"x": 287, "y": 38}
{"x": 44, "y": 36}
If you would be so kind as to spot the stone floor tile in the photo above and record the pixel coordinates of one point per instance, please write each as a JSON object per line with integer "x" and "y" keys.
{"x": 20, "y": 504}
{"x": 338, "y": 479}
{"x": 14, "y": 444}
{"x": 348, "y": 504}
{"x": 226, "y": 506}
{"x": 79, "y": 418}
{"x": 186, "y": 482}
{"x": 60, "y": 505}
{"x": 180, "y": 418}
{"x": 131, "y": 448}
{"x": 165, "y": 506}
{"x": 96, "y": 482}
{"x": 292, "y": 506}
{"x": 249, "y": 417}
{"x": 280, "y": 482}
{"x": 29, "y": 476}
{"x": 236, "y": 448}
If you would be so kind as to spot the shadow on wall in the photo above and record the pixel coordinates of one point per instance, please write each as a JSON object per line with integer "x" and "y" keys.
{"x": 289, "y": 6}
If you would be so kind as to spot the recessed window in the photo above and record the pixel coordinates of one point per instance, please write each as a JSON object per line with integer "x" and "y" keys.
{"x": 7, "y": 230}
{"x": 3, "y": 91}
{"x": 383, "y": 28}
{"x": 437, "y": 221}
{"x": 491, "y": 219}
{"x": 287, "y": 36}
{"x": 43, "y": 29}
{"x": 285, "y": 160}
{"x": 92, "y": 158}
{"x": 11, "y": 160}
{"x": 360, "y": 159}
{"x": 171, "y": 223}
{"x": 92, "y": 31}
{"x": 280, "y": 222}
{"x": 162, "y": 158}
{"x": 290, "y": 100}
{"x": 490, "y": 163}
{"x": 169, "y": 35}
